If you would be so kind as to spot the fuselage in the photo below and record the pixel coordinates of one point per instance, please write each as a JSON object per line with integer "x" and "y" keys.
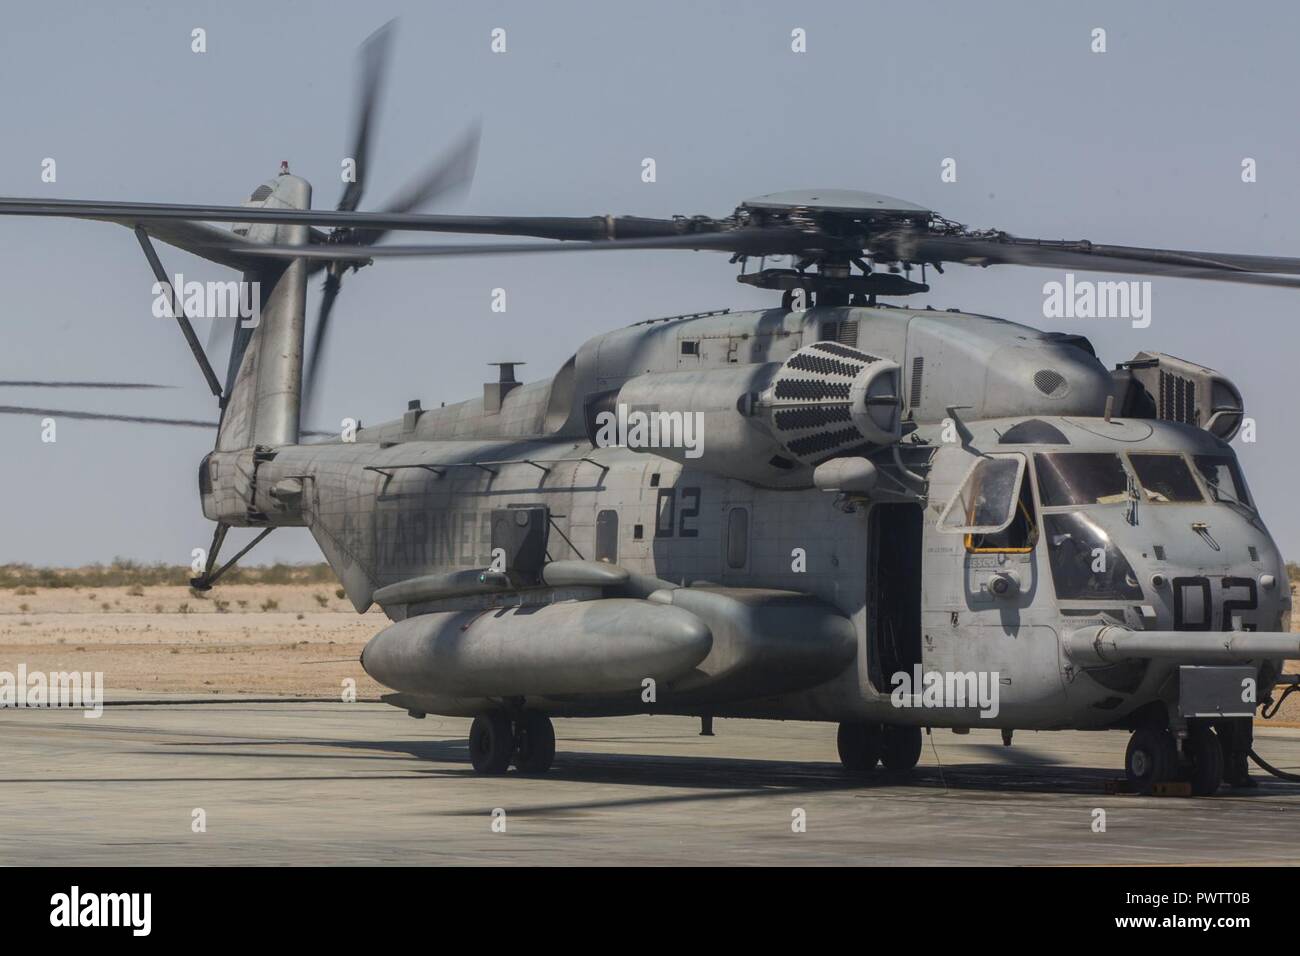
{"x": 1168, "y": 541}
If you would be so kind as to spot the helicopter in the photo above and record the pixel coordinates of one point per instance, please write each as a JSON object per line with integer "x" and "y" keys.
{"x": 834, "y": 509}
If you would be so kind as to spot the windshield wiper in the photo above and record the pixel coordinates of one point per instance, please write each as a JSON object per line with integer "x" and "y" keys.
{"x": 1232, "y": 501}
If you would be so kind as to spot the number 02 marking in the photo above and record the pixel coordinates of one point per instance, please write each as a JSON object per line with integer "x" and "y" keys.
{"x": 670, "y": 520}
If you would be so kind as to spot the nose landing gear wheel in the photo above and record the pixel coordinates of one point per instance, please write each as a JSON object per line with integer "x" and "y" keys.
{"x": 1206, "y": 756}
{"x": 901, "y": 747}
{"x": 859, "y": 746}
{"x": 491, "y": 742}
{"x": 535, "y": 744}
{"x": 1151, "y": 758}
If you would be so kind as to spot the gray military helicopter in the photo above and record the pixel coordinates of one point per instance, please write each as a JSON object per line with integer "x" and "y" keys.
{"x": 834, "y": 510}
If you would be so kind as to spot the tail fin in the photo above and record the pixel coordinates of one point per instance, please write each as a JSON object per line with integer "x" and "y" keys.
{"x": 264, "y": 377}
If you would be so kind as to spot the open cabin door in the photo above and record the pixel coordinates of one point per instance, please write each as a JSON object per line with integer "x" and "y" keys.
{"x": 894, "y": 559}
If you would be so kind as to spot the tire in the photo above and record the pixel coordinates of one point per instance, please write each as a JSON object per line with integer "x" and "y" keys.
{"x": 1150, "y": 758}
{"x": 536, "y": 748}
{"x": 1206, "y": 755}
{"x": 491, "y": 742}
{"x": 902, "y": 747}
{"x": 859, "y": 746}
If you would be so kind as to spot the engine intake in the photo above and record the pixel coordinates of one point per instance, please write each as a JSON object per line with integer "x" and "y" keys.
{"x": 830, "y": 401}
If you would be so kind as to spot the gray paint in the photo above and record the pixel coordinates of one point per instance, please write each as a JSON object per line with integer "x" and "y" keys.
{"x": 412, "y": 498}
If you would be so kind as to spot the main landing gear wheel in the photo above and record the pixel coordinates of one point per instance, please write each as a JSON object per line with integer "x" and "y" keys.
{"x": 1205, "y": 755}
{"x": 859, "y": 746}
{"x": 491, "y": 742}
{"x": 534, "y": 744}
{"x": 901, "y": 747}
{"x": 1151, "y": 758}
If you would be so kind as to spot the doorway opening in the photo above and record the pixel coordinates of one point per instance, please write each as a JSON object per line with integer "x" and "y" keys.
{"x": 893, "y": 592}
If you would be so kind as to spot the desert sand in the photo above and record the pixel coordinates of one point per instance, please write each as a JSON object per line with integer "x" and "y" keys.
{"x": 297, "y": 640}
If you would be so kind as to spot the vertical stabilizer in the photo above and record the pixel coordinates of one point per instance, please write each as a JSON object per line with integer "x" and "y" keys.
{"x": 262, "y": 403}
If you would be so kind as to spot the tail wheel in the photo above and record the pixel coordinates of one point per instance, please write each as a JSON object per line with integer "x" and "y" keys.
{"x": 902, "y": 747}
{"x": 859, "y": 746}
{"x": 535, "y": 744}
{"x": 1151, "y": 758}
{"x": 491, "y": 742}
{"x": 1206, "y": 756}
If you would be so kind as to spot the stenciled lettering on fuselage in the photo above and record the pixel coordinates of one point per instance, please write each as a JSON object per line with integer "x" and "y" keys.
{"x": 423, "y": 538}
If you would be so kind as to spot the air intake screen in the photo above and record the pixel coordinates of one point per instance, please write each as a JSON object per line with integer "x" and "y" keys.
{"x": 1049, "y": 381}
{"x": 846, "y": 333}
{"x": 1177, "y": 399}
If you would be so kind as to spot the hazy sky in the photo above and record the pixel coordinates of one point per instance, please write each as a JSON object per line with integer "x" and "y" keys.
{"x": 1140, "y": 145}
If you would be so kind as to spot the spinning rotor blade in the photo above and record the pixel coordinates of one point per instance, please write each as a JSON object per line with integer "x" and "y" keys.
{"x": 332, "y": 284}
{"x": 452, "y": 171}
{"x": 374, "y": 60}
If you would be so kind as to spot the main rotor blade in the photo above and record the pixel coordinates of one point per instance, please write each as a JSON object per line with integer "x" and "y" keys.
{"x": 542, "y": 227}
{"x": 103, "y": 416}
{"x": 754, "y": 242}
{"x": 127, "y": 419}
{"x": 913, "y": 246}
{"x": 50, "y": 384}
{"x": 374, "y": 59}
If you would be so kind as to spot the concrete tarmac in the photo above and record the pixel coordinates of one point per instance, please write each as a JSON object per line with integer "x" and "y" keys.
{"x": 362, "y": 783}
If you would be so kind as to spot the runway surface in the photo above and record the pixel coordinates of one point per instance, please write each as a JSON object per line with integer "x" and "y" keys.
{"x": 362, "y": 783}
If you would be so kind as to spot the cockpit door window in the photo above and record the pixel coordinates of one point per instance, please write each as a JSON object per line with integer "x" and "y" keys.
{"x": 1019, "y": 537}
{"x": 986, "y": 501}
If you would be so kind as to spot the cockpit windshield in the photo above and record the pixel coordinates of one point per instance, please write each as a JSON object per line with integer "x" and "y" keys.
{"x": 1080, "y": 478}
{"x": 1165, "y": 478}
{"x": 1223, "y": 478}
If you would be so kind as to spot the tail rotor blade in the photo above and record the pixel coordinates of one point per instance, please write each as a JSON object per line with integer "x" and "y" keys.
{"x": 374, "y": 59}
{"x": 311, "y": 370}
{"x": 453, "y": 171}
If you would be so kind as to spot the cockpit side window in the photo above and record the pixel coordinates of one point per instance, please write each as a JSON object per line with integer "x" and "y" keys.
{"x": 1223, "y": 477}
{"x": 1080, "y": 478}
{"x": 1165, "y": 478}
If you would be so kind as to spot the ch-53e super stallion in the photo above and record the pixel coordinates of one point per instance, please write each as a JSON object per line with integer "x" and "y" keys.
{"x": 887, "y": 518}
